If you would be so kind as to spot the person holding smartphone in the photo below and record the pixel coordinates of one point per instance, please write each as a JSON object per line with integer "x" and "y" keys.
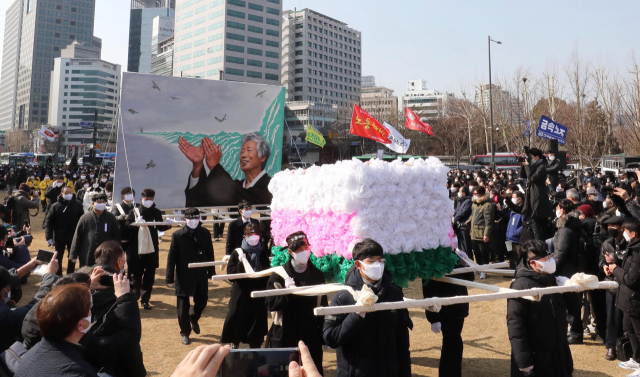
{"x": 295, "y": 320}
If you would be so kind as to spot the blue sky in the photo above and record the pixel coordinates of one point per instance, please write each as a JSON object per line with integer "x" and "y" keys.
{"x": 445, "y": 42}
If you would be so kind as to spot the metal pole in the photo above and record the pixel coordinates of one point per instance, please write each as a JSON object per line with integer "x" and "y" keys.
{"x": 493, "y": 163}
{"x": 95, "y": 133}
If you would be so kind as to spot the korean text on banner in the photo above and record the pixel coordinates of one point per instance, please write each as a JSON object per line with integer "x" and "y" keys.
{"x": 398, "y": 143}
{"x": 315, "y": 137}
{"x": 363, "y": 124}
{"x": 413, "y": 122}
{"x": 548, "y": 129}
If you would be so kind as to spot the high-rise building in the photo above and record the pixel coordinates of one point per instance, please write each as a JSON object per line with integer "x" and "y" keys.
{"x": 321, "y": 58}
{"x": 10, "y": 59}
{"x": 143, "y": 12}
{"x": 79, "y": 87}
{"x": 162, "y": 46}
{"x": 45, "y": 28}
{"x": 368, "y": 81}
{"x": 426, "y": 103}
{"x": 379, "y": 102}
{"x": 506, "y": 108}
{"x": 239, "y": 38}
{"x": 89, "y": 50}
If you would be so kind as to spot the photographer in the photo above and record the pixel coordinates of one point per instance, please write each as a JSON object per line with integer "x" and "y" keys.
{"x": 25, "y": 200}
{"x": 15, "y": 253}
{"x": 537, "y": 207}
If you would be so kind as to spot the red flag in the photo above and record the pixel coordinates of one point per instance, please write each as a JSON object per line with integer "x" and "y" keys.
{"x": 363, "y": 124}
{"x": 413, "y": 122}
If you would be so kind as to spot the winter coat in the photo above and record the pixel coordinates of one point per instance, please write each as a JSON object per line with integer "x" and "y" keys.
{"x": 246, "y": 321}
{"x": 121, "y": 217}
{"x": 11, "y": 320}
{"x": 628, "y": 277}
{"x": 12, "y": 179}
{"x": 526, "y": 233}
{"x": 538, "y": 330}
{"x": 189, "y": 247}
{"x": 514, "y": 228}
{"x": 21, "y": 211}
{"x": 55, "y": 358}
{"x": 91, "y": 232}
{"x": 149, "y": 215}
{"x": 33, "y": 183}
{"x": 298, "y": 321}
{"x": 482, "y": 218}
{"x": 113, "y": 346}
{"x": 463, "y": 210}
{"x": 62, "y": 219}
{"x": 618, "y": 250}
{"x": 44, "y": 183}
{"x": 434, "y": 288}
{"x": 553, "y": 168}
{"x": 567, "y": 245}
{"x": 376, "y": 345}
{"x": 536, "y": 197}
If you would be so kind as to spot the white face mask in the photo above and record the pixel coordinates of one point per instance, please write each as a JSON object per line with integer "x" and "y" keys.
{"x": 373, "y": 271}
{"x": 453, "y": 189}
{"x": 86, "y": 186}
{"x": 108, "y": 193}
{"x": 128, "y": 197}
{"x": 551, "y": 158}
{"x": 100, "y": 206}
{"x": 83, "y": 177}
{"x": 111, "y": 176}
{"x": 558, "y": 213}
{"x": 67, "y": 196}
{"x": 96, "y": 185}
{"x": 558, "y": 189}
{"x": 253, "y": 240}
{"x": 626, "y": 236}
{"x": 46, "y": 177}
{"x": 459, "y": 195}
{"x": 516, "y": 201}
{"x": 618, "y": 213}
{"x": 104, "y": 180}
{"x": 247, "y": 213}
{"x": 471, "y": 188}
{"x": 193, "y": 223}
{"x": 147, "y": 203}
{"x": 302, "y": 257}
{"x": 109, "y": 202}
{"x": 548, "y": 267}
{"x": 88, "y": 319}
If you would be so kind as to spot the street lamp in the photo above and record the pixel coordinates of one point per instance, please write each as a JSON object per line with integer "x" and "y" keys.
{"x": 493, "y": 163}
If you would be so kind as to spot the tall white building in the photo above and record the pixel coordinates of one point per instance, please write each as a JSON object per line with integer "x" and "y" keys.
{"x": 162, "y": 46}
{"x": 426, "y": 103}
{"x": 44, "y": 28}
{"x": 79, "y": 87}
{"x": 506, "y": 108}
{"x": 141, "y": 28}
{"x": 239, "y": 38}
{"x": 321, "y": 58}
{"x": 10, "y": 58}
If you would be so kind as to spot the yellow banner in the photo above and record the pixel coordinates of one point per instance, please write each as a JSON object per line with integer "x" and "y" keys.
{"x": 315, "y": 137}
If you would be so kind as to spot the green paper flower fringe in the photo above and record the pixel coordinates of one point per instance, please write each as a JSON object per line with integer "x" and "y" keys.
{"x": 405, "y": 267}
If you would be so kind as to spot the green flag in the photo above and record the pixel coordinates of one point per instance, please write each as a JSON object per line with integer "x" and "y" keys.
{"x": 315, "y": 137}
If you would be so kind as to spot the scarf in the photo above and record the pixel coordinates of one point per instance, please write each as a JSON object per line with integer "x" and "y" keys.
{"x": 255, "y": 251}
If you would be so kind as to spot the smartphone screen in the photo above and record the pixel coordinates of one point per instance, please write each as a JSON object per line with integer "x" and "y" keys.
{"x": 44, "y": 256}
{"x": 258, "y": 362}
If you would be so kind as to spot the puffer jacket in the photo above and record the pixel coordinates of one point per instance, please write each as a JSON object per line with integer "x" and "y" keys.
{"x": 567, "y": 245}
{"x": 483, "y": 213}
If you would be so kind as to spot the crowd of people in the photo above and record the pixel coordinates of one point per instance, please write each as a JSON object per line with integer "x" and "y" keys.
{"x": 583, "y": 221}
{"x": 548, "y": 225}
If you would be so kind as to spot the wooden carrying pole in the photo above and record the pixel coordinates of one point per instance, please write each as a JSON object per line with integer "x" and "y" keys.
{"x": 436, "y": 301}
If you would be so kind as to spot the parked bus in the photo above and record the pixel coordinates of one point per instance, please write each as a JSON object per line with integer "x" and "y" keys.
{"x": 100, "y": 159}
{"x": 4, "y": 157}
{"x": 503, "y": 160}
{"x": 20, "y": 158}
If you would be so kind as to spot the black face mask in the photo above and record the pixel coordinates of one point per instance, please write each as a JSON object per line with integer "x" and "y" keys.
{"x": 612, "y": 232}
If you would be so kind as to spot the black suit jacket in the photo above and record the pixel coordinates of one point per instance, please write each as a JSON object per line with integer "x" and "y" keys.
{"x": 235, "y": 232}
{"x": 219, "y": 189}
{"x": 187, "y": 248}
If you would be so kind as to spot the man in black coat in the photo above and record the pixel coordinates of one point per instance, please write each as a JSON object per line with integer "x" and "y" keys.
{"x": 54, "y": 192}
{"x": 460, "y": 217}
{"x": 375, "y": 343}
{"x": 142, "y": 267}
{"x": 295, "y": 313}
{"x": 613, "y": 251}
{"x": 121, "y": 211}
{"x": 449, "y": 320}
{"x": 628, "y": 278}
{"x": 235, "y": 232}
{"x": 94, "y": 228}
{"x": 191, "y": 244}
{"x": 537, "y": 207}
{"x": 218, "y": 187}
{"x": 537, "y": 330}
{"x": 61, "y": 222}
{"x": 553, "y": 168}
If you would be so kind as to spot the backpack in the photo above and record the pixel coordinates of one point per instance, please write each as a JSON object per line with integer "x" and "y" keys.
{"x": 10, "y": 205}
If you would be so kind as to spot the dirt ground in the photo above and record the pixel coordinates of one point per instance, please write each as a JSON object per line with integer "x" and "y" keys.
{"x": 486, "y": 352}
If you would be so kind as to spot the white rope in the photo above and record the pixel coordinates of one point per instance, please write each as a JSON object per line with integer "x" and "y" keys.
{"x": 437, "y": 301}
